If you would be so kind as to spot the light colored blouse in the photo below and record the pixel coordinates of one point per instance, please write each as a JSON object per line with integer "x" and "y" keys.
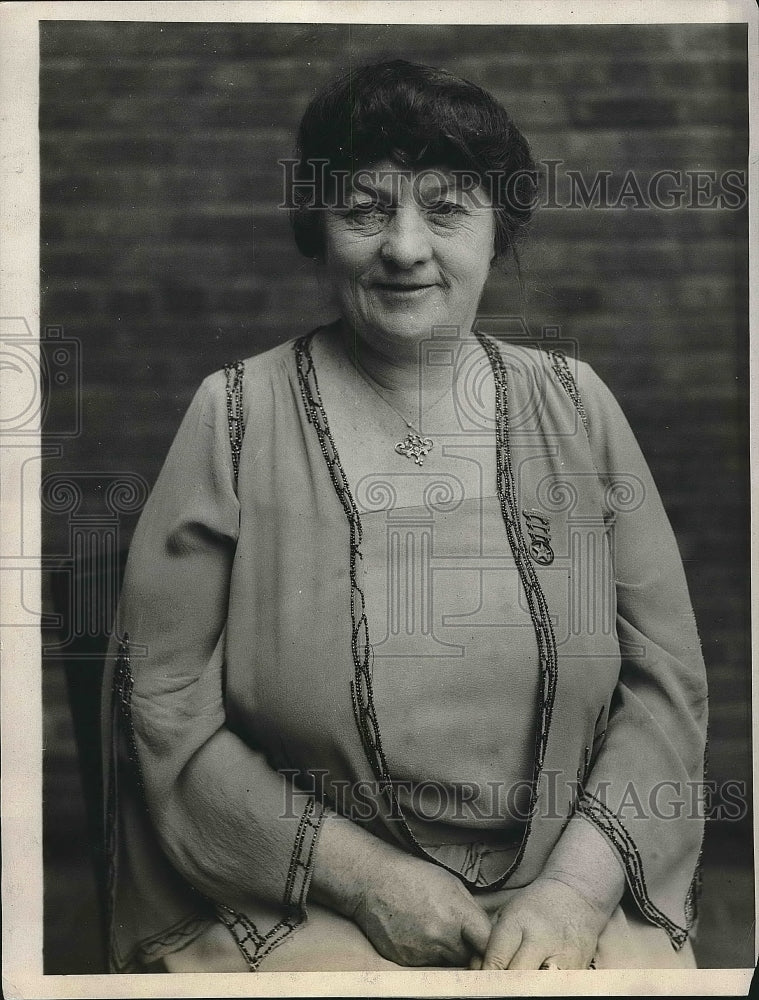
{"x": 275, "y": 657}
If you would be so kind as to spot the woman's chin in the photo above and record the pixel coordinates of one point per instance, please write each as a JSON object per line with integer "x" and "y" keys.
{"x": 403, "y": 325}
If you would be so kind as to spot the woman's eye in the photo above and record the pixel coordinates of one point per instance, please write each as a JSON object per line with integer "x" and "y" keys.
{"x": 446, "y": 209}
{"x": 364, "y": 214}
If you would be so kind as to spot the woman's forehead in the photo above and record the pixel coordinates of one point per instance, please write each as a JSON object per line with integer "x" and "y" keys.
{"x": 389, "y": 180}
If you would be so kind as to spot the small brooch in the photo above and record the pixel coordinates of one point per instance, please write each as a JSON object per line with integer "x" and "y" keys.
{"x": 539, "y": 528}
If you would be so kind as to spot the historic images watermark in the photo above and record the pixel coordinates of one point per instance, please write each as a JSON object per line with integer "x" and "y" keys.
{"x": 472, "y": 803}
{"x": 313, "y": 185}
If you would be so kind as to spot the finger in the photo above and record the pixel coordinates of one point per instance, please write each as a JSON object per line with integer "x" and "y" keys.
{"x": 532, "y": 954}
{"x": 528, "y": 955}
{"x": 476, "y": 930}
{"x": 475, "y": 962}
{"x": 567, "y": 960}
{"x": 503, "y": 944}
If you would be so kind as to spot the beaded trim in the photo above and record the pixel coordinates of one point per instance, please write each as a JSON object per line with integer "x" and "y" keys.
{"x": 234, "y": 374}
{"x": 123, "y": 686}
{"x": 536, "y": 601}
{"x": 110, "y": 839}
{"x": 151, "y": 949}
{"x": 302, "y": 858}
{"x": 121, "y": 712}
{"x": 596, "y": 811}
{"x": 254, "y": 945}
{"x": 567, "y": 379}
{"x": 361, "y": 684}
{"x": 610, "y": 824}
{"x": 583, "y": 769}
{"x": 694, "y": 889}
{"x": 607, "y": 821}
{"x": 241, "y": 927}
{"x": 121, "y": 703}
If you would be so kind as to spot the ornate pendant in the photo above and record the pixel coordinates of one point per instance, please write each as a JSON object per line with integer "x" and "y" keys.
{"x": 415, "y": 446}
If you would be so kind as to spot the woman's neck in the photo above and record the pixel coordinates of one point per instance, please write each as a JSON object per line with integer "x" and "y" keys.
{"x": 397, "y": 369}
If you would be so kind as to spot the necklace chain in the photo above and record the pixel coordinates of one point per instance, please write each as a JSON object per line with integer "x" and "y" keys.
{"x": 415, "y": 445}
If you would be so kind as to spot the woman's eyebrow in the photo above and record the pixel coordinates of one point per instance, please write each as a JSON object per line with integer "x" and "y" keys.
{"x": 429, "y": 187}
{"x": 369, "y": 191}
{"x": 435, "y": 194}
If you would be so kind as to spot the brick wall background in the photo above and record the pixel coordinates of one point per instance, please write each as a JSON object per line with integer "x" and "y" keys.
{"x": 164, "y": 255}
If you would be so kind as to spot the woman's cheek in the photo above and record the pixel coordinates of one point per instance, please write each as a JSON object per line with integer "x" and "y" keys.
{"x": 349, "y": 244}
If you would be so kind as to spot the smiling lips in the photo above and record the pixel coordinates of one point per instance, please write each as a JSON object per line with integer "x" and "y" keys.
{"x": 401, "y": 288}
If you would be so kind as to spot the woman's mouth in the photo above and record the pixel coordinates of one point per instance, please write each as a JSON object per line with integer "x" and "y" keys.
{"x": 402, "y": 289}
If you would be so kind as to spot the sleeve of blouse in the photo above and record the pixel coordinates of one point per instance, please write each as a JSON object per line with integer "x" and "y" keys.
{"x": 215, "y": 803}
{"x": 643, "y": 790}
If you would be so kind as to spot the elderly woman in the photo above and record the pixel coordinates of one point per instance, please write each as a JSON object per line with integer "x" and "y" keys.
{"x": 406, "y": 672}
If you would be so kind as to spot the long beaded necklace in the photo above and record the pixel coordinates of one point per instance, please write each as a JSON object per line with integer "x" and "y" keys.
{"x": 361, "y": 684}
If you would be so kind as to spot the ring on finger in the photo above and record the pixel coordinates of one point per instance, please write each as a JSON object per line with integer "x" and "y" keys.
{"x": 549, "y": 966}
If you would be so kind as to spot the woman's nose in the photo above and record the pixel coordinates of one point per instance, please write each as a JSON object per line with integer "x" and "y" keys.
{"x": 406, "y": 239}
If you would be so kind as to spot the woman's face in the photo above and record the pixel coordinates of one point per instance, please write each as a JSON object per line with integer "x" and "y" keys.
{"x": 408, "y": 251}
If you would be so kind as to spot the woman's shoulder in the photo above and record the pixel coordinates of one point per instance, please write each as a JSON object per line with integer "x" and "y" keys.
{"x": 256, "y": 377}
{"x": 553, "y": 365}
{"x": 247, "y": 387}
{"x": 549, "y": 379}
{"x": 267, "y": 363}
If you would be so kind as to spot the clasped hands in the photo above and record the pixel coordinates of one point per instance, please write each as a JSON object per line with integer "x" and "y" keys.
{"x": 424, "y": 916}
{"x": 416, "y": 913}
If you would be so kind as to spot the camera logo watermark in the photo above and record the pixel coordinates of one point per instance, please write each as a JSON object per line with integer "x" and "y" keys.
{"x": 41, "y": 410}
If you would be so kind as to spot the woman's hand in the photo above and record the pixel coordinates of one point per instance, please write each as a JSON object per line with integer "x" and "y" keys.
{"x": 544, "y": 921}
{"x": 559, "y": 916}
{"x": 413, "y": 912}
{"x": 417, "y": 914}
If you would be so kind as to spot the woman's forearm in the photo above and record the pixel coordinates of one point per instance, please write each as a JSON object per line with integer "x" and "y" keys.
{"x": 344, "y": 854}
{"x": 412, "y": 911}
{"x": 584, "y": 860}
{"x": 347, "y": 853}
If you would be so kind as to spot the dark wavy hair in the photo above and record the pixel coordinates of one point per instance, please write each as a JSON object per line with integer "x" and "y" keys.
{"x": 417, "y": 117}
